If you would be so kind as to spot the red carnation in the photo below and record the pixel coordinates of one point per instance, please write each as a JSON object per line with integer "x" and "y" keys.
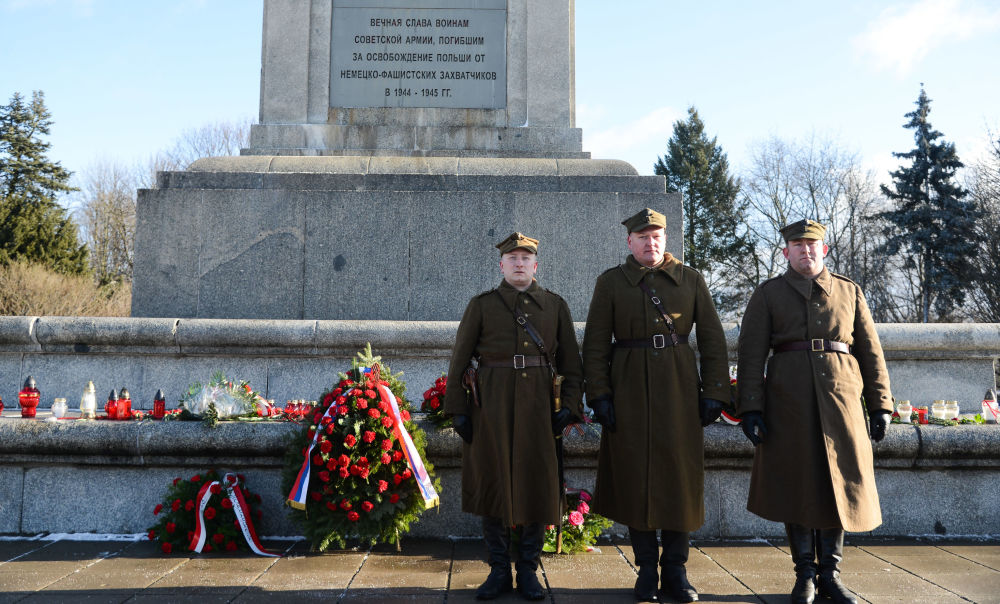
{"x": 166, "y": 547}
{"x": 196, "y": 478}
{"x": 227, "y": 503}
{"x": 383, "y": 486}
{"x": 393, "y": 498}
{"x": 397, "y": 455}
{"x": 341, "y": 400}
{"x": 329, "y": 429}
{"x": 176, "y": 505}
{"x": 434, "y": 403}
{"x": 364, "y": 473}
{"x": 151, "y": 535}
{"x": 370, "y": 393}
{"x": 176, "y": 480}
{"x": 363, "y": 461}
{"x": 342, "y": 410}
{"x": 385, "y": 407}
{"x": 190, "y": 536}
{"x": 218, "y": 538}
{"x": 331, "y": 506}
{"x": 207, "y": 549}
{"x": 361, "y": 403}
{"x": 317, "y": 459}
{"x": 189, "y": 505}
{"x": 344, "y": 460}
{"x": 324, "y": 476}
{"x": 386, "y": 458}
{"x": 367, "y": 506}
{"x": 209, "y": 513}
{"x": 374, "y": 413}
{"x": 158, "y": 509}
{"x": 317, "y": 416}
{"x": 396, "y": 479}
{"x": 405, "y": 415}
{"x": 356, "y": 392}
{"x": 328, "y": 399}
{"x": 326, "y": 420}
{"x": 327, "y": 446}
{"x": 231, "y": 546}
{"x": 331, "y": 464}
{"x": 171, "y": 527}
{"x": 388, "y": 422}
{"x": 406, "y": 474}
{"x": 344, "y": 472}
{"x": 336, "y": 392}
{"x": 355, "y": 469}
{"x": 345, "y": 504}
{"x": 310, "y": 432}
{"x": 368, "y": 436}
{"x": 315, "y": 495}
{"x": 216, "y": 489}
{"x": 353, "y": 516}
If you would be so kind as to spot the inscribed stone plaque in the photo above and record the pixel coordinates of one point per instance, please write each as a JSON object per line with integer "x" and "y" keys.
{"x": 419, "y": 53}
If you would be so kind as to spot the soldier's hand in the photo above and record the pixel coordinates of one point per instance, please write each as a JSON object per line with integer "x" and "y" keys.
{"x": 561, "y": 419}
{"x": 463, "y": 427}
{"x": 604, "y": 412}
{"x": 879, "y": 421}
{"x": 709, "y": 409}
{"x": 752, "y": 423}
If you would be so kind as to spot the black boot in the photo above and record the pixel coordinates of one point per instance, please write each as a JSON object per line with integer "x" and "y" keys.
{"x": 530, "y": 549}
{"x": 830, "y": 545}
{"x": 645, "y": 549}
{"x": 673, "y": 573}
{"x": 802, "y": 543}
{"x": 497, "y": 538}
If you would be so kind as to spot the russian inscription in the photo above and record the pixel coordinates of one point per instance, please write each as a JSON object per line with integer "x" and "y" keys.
{"x": 421, "y": 53}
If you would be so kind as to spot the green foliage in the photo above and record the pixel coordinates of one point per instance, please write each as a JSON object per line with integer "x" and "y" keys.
{"x": 932, "y": 220}
{"x": 580, "y": 526}
{"x": 697, "y": 167}
{"x": 33, "y": 226}
{"x": 360, "y": 485}
{"x": 177, "y": 520}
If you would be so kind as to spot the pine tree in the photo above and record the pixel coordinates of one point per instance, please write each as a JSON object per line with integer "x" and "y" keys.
{"x": 33, "y": 226}
{"x": 932, "y": 220}
{"x": 697, "y": 167}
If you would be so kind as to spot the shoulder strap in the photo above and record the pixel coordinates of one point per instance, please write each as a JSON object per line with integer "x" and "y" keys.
{"x": 659, "y": 306}
{"x": 523, "y": 321}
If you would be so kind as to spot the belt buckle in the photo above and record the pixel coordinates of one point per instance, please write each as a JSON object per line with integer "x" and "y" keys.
{"x": 659, "y": 341}
{"x": 655, "y": 300}
{"x": 516, "y": 358}
{"x": 817, "y": 345}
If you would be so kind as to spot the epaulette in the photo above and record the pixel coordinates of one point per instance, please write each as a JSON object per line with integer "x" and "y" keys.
{"x": 486, "y": 293}
{"x": 552, "y": 293}
{"x": 843, "y": 278}
{"x": 613, "y": 268}
{"x": 765, "y": 281}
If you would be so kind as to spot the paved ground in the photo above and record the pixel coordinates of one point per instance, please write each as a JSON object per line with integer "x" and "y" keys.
{"x": 449, "y": 571}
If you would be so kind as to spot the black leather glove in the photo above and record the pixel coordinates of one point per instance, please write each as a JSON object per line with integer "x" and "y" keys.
{"x": 752, "y": 423}
{"x": 709, "y": 409}
{"x": 878, "y": 422}
{"x": 604, "y": 412}
{"x": 462, "y": 426}
{"x": 562, "y": 418}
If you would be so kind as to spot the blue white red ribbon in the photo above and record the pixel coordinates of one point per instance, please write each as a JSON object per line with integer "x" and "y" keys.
{"x": 240, "y": 508}
{"x": 300, "y": 488}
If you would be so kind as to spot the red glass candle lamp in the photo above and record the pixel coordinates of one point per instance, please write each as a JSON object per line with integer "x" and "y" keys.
{"x": 111, "y": 407}
{"x": 124, "y": 404}
{"x": 28, "y": 397}
{"x": 159, "y": 405}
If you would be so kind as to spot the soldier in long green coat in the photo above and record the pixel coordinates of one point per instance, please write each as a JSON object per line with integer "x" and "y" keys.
{"x": 509, "y": 467}
{"x": 813, "y": 467}
{"x": 644, "y": 385}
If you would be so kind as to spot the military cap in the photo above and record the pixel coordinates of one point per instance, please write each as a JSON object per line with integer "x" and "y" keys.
{"x": 518, "y": 240}
{"x": 645, "y": 218}
{"x": 803, "y": 229}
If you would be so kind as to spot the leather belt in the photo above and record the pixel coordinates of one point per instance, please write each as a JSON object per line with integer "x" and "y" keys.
{"x": 518, "y": 361}
{"x": 657, "y": 341}
{"x": 814, "y": 345}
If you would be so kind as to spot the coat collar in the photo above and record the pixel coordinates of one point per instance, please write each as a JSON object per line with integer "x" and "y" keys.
{"x": 634, "y": 272}
{"x": 509, "y": 293}
{"x": 804, "y": 286}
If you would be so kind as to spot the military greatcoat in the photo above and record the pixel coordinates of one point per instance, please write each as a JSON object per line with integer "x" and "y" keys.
{"x": 815, "y": 467}
{"x": 650, "y": 472}
{"x": 509, "y": 471}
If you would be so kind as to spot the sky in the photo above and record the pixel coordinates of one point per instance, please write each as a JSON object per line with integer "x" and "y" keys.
{"x": 123, "y": 79}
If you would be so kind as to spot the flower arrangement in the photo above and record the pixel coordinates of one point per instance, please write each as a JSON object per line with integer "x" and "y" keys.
{"x": 220, "y": 399}
{"x": 580, "y": 526}
{"x": 433, "y": 403}
{"x": 729, "y": 413}
{"x": 177, "y": 515}
{"x": 351, "y": 471}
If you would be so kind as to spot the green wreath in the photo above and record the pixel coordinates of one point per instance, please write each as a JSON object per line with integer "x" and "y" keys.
{"x": 359, "y": 485}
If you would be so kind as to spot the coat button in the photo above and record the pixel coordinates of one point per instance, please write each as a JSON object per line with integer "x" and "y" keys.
{"x": 524, "y": 375}
{"x": 820, "y": 355}
{"x": 525, "y": 343}
{"x": 819, "y": 322}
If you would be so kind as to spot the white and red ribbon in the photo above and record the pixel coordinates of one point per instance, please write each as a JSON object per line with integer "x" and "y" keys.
{"x": 240, "y": 508}
{"x": 413, "y": 460}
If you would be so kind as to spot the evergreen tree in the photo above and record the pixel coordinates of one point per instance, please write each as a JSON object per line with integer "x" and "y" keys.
{"x": 33, "y": 226}
{"x": 696, "y": 167}
{"x": 932, "y": 220}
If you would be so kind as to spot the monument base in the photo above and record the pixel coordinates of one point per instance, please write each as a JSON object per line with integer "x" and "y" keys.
{"x": 376, "y": 237}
